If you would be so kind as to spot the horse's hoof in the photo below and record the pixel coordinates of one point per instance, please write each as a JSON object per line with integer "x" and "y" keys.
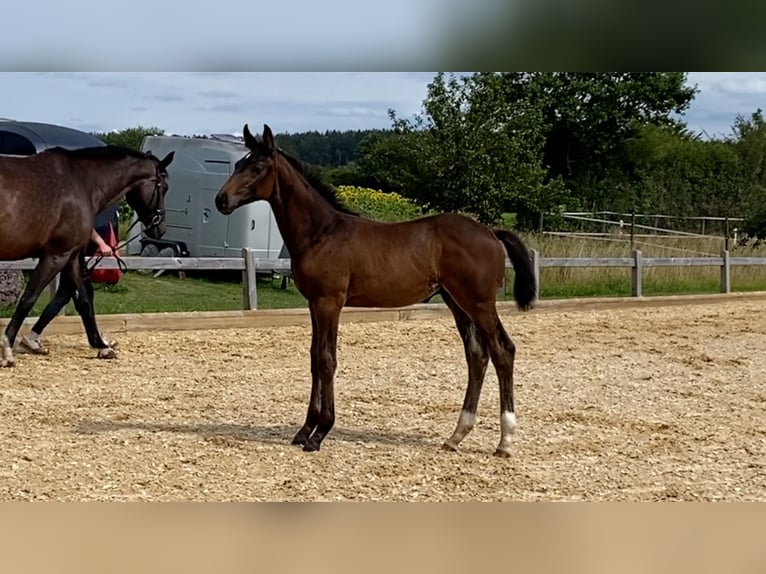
{"x": 7, "y": 362}
{"x": 448, "y": 447}
{"x": 502, "y": 454}
{"x": 107, "y": 353}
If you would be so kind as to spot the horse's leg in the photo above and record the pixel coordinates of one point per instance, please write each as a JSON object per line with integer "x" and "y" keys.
{"x": 326, "y": 314}
{"x": 477, "y": 357}
{"x": 83, "y": 302}
{"x": 45, "y": 271}
{"x": 312, "y": 416}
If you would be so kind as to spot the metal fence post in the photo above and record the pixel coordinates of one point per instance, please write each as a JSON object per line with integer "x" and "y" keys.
{"x": 638, "y": 275}
{"x": 249, "y": 288}
{"x": 725, "y": 273}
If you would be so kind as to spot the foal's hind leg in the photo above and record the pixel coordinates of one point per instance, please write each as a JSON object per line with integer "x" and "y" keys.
{"x": 477, "y": 357}
{"x": 503, "y": 353}
{"x": 45, "y": 271}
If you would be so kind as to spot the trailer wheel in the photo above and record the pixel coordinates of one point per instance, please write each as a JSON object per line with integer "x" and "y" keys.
{"x": 150, "y": 250}
{"x": 168, "y": 252}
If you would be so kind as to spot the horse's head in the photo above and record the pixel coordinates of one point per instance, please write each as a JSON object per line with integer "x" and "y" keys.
{"x": 147, "y": 198}
{"x": 254, "y": 175}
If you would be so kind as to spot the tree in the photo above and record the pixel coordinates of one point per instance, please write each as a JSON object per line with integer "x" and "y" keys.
{"x": 470, "y": 150}
{"x": 130, "y": 137}
{"x": 749, "y": 140}
{"x": 591, "y": 117}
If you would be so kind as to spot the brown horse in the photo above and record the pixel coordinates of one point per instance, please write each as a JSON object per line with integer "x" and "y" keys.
{"x": 48, "y": 206}
{"x": 341, "y": 259}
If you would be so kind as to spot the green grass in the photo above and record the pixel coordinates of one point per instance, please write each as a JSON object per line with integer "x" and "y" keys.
{"x": 139, "y": 292}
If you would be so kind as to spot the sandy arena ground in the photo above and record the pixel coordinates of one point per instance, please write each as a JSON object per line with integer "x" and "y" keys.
{"x": 642, "y": 404}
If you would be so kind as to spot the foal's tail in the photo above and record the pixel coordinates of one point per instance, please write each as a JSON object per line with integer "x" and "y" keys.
{"x": 524, "y": 289}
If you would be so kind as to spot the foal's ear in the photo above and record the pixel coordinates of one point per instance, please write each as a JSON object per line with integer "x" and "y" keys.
{"x": 268, "y": 139}
{"x": 167, "y": 161}
{"x": 250, "y": 142}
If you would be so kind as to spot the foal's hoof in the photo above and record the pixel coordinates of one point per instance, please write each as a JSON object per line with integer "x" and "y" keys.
{"x": 107, "y": 353}
{"x": 7, "y": 362}
{"x": 302, "y": 436}
{"x": 311, "y": 446}
{"x": 502, "y": 453}
{"x": 449, "y": 447}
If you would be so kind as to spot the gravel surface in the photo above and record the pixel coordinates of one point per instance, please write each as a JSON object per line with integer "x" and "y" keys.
{"x": 636, "y": 404}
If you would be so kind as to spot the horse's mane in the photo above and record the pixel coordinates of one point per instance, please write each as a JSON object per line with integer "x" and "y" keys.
{"x": 315, "y": 179}
{"x": 101, "y": 152}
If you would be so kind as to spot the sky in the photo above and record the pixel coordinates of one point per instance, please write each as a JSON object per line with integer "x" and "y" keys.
{"x": 190, "y": 103}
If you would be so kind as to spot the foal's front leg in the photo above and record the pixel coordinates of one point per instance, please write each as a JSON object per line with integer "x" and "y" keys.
{"x": 326, "y": 314}
{"x": 312, "y": 416}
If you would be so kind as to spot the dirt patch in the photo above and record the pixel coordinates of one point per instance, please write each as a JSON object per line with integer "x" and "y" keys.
{"x": 639, "y": 404}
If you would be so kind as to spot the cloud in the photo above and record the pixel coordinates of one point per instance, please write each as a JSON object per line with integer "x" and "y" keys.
{"x": 226, "y": 108}
{"x": 169, "y": 97}
{"x": 352, "y": 110}
{"x": 108, "y": 82}
{"x": 218, "y": 94}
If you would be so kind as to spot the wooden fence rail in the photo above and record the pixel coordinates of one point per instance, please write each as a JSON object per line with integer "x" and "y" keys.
{"x": 249, "y": 265}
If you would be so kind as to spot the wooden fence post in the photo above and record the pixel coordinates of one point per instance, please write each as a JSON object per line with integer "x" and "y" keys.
{"x": 638, "y": 275}
{"x": 249, "y": 288}
{"x": 503, "y": 291}
{"x": 535, "y": 256}
{"x": 725, "y": 273}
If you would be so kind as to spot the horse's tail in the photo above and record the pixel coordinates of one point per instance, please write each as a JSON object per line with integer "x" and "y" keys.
{"x": 524, "y": 286}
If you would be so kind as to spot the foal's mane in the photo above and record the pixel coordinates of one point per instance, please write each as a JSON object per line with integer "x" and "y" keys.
{"x": 315, "y": 180}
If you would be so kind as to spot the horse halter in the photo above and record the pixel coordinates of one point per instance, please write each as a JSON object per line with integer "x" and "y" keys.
{"x": 159, "y": 214}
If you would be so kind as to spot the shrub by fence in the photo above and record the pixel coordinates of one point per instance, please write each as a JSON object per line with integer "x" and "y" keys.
{"x": 378, "y": 205}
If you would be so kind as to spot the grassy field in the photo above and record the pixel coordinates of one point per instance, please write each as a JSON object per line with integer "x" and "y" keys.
{"x": 140, "y": 292}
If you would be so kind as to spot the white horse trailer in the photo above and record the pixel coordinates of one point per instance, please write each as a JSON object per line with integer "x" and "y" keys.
{"x": 195, "y": 228}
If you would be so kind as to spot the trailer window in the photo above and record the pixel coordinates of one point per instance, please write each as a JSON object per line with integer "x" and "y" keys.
{"x": 14, "y": 144}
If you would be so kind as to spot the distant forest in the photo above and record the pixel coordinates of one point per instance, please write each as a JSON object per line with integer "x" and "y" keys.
{"x": 326, "y": 149}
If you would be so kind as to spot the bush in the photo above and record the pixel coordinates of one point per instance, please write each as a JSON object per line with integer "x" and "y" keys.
{"x": 378, "y": 205}
{"x": 11, "y": 286}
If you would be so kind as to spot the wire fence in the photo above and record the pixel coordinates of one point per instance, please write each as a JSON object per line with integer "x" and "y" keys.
{"x": 637, "y": 228}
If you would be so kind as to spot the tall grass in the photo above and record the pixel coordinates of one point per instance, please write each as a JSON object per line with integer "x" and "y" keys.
{"x": 577, "y": 282}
